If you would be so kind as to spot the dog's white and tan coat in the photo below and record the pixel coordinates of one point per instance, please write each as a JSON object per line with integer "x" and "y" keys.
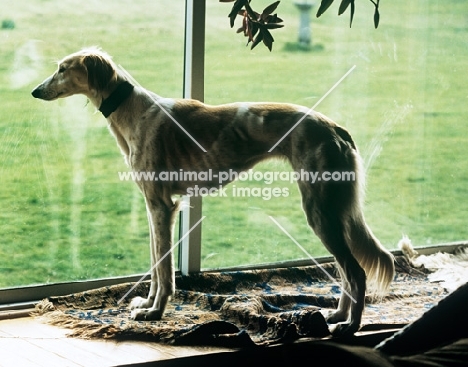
{"x": 235, "y": 136}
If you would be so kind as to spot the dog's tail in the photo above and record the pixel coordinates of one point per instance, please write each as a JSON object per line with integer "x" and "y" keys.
{"x": 376, "y": 260}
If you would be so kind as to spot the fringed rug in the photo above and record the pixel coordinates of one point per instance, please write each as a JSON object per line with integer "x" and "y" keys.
{"x": 239, "y": 308}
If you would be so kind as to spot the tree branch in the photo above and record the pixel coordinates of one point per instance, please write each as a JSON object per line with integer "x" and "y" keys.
{"x": 325, "y": 4}
{"x": 256, "y": 27}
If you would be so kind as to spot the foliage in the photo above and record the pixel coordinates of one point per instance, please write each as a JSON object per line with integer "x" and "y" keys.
{"x": 325, "y": 4}
{"x": 8, "y": 24}
{"x": 256, "y": 27}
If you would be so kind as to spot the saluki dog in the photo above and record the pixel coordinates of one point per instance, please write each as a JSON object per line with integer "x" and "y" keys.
{"x": 235, "y": 137}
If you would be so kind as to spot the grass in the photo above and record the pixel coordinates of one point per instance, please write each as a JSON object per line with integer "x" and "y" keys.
{"x": 65, "y": 215}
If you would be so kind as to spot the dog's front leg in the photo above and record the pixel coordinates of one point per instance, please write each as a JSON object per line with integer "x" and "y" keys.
{"x": 140, "y": 302}
{"x": 160, "y": 218}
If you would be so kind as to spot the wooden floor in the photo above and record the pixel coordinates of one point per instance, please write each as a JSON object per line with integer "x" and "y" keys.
{"x": 27, "y": 342}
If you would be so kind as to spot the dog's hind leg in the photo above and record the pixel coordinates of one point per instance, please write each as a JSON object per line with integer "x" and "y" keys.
{"x": 348, "y": 314}
{"x": 328, "y": 204}
{"x": 327, "y": 224}
{"x": 161, "y": 218}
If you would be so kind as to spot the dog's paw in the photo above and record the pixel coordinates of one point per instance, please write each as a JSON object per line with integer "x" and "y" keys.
{"x": 138, "y": 303}
{"x": 138, "y": 314}
{"x": 335, "y": 317}
{"x": 342, "y": 326}
{"x": 146, "y": 315}
{"x": 344, "y": 329}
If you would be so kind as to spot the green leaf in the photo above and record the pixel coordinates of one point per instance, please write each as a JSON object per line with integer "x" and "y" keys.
{"x": 273, "y": 25}
{"x": 252, "y": 14}
{"x": 253, "y": 31}
{"x": 267, "y": 39}
{"x": 324, "y": 5}
{"x": 343, "y": 6}
{"x": 376, "y": 17}
{"x": 352, "y": 14}
{"x": 269, "y": 9}
{"x": 273, "y": 19}
{"x": 257, "y": 40}
{"x": 235, "y": 10}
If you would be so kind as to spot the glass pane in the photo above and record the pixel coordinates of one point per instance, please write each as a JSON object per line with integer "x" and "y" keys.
{"x": 404, "y": 104}
{"x": 65, "y": 213}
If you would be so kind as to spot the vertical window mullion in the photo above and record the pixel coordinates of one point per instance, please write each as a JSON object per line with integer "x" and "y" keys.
{"x": 194, "y": 67}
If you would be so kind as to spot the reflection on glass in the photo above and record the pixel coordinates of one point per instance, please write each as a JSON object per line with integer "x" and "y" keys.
{"x": 404, "y": 104}
{"x": 67, "y": 216}
{"x": 65, "y": 213}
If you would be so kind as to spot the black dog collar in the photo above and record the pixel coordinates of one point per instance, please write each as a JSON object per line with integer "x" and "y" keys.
{"x": 120, "y": 94}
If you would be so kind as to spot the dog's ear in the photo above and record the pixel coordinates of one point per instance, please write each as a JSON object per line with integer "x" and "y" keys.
{"x": 100, "y": 70}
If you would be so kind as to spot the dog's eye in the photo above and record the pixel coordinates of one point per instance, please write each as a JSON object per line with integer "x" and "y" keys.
{"x": 61, "y": 69}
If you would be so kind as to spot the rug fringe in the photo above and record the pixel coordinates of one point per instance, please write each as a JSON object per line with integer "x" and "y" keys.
{"x": 42, "y": 308}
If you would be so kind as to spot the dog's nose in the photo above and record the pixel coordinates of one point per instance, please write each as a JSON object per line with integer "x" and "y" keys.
{"x": 36, "y": 93}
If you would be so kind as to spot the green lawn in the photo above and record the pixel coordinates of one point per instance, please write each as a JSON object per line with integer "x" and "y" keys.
{"x": 65, "y": 214}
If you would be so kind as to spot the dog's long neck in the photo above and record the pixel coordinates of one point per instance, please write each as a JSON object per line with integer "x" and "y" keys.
{"x": 111, "y": 103}
{"x": 109, "y": 99}
{"x": 116, "y": 98}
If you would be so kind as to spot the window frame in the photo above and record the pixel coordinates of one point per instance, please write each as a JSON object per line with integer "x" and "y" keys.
{"x": 194, "y": 88}
{"x": 25, "y": 297}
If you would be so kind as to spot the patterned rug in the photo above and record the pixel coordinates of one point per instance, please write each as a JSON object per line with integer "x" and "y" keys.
{"x": 239, "y": 308}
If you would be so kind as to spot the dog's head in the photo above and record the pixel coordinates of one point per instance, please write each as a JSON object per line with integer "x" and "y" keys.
{"x": 86, "y": 72}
